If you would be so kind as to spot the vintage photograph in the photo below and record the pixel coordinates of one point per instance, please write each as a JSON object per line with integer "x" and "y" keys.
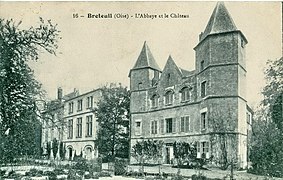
{"x": 141, "y": 90}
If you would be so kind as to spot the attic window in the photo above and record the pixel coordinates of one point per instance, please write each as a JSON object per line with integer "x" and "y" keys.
{"x": 202, "y": 65}
{"x": 139, "y": 86}
{"x": 168, "y": 79}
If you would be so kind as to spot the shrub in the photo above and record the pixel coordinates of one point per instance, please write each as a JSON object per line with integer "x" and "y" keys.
{"x": 199, "y": 176}
{"x": 81, "y": 164}
{"x": 72, "y": 175}
{"x": 120, "y": 166}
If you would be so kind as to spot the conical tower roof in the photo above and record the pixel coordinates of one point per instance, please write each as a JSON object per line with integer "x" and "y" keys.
{"x": 146, "y": 59}
{"x": 219, "y": 22}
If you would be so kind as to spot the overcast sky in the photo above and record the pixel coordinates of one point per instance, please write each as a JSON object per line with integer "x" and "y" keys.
{"x": 93, "y": 52}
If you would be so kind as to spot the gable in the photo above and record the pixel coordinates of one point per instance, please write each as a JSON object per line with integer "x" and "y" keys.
{"x": 171, "y": 75}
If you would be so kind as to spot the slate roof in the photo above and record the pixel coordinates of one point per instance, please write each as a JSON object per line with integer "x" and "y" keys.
{"x": 146, "y": 59}
{"x": 219, "y": 22}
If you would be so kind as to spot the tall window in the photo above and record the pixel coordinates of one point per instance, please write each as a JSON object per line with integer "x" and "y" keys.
{"x": 168, "y": 97}
{"x": 154, "y": 101}
{"x": 89, "y": 125}
{"x": 185, "y": 124}
{"x": 204, "y": 123}
{"x": 79, "y": 127}
{"x": 71, "y": 107}
{"x": 202, "y": 65}
{"x": 138, "y": 127}
{"x": 203, "y": 89}
{"x": 89, "y": 102}
{"x": 185, "y": 94}
{"x": 153, "y": 127}
{"x": 70, "y": 129}
{"x": 80, "y": 105}
{"x": 203, "y": 149}
{"x": 170, "y": 125}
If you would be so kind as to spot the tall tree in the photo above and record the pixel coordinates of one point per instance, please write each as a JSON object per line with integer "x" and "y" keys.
{"x": 112, "y": 113}
{"x": 267, "y": 140}
{"x": 19, "y": 90}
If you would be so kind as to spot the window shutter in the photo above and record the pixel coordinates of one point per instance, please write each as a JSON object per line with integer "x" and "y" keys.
{"x": 152, "y": 127}
{"x": 174, "y": 125}
{"x": 187, "y": 124}
{"x": 162, "y": 126}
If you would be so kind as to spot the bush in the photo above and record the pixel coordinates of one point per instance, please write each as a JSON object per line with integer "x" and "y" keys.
{"x": 81, "y": 164}
{"x": 72, "y": 175}
{"x": 199, "y": 177}
{"x": 120, "y": 166}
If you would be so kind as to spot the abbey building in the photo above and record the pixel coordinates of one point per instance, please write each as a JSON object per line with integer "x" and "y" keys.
{"x": 173, "y": 104}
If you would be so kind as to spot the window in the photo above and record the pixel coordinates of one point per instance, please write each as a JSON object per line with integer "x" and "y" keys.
{"x": 89, "y": 102}
{"x": 203, "y": 149}
{"x": 79, "y": 127}
{"x": 185, "y": 124}
{"x": 138, "y": 128}
{"x": 80, "y": 105}
{"x": 89, "y": 126}
{"x": 70, "y": 129}
{"x": 202, "y": 65}
{"x": 203, "y": 89}
{"x": 168, "y": 97}
{"x": 168, "y": 79}
{"x": 153, "y": 127}
{"x": 140, "y": 86}
{"x": 203, "y": 121}
{"x": 154, "y": 101}
{"x": 71, "y": 107}
{"x": 170, "y": 125}
{"x": 185, "y": 94}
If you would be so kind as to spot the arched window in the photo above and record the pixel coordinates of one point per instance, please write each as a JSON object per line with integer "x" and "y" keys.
{"x": 154, "y": 101}
{"x": 168, "y": 97}
{"x": 186, "y": 94}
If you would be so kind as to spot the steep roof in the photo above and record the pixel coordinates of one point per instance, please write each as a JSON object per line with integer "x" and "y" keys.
{"x": 146, "y": 59}
{"x": 219, "y": 22}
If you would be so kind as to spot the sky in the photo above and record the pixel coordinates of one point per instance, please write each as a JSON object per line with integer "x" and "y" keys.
{"x": 93, "y": 52}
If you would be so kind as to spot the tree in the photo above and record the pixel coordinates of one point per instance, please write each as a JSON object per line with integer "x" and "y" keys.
{"x": 273, "y": 91}
{"x": 113, "y": 120}
{"x": 147, "y": 150}
{"x": 19, "y": 90}
{"x": 267, "y": 140}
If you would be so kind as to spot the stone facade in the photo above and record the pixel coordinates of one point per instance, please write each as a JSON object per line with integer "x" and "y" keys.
{"x": 73, "y": 122}
{"x": 174, "y": 104}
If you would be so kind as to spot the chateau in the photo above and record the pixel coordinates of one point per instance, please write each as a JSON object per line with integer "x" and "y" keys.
{"x": 70, "y": 119}
{"x": 199, "y": 106}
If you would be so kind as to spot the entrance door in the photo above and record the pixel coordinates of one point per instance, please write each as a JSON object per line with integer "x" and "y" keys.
{"x": 88, "y": 153}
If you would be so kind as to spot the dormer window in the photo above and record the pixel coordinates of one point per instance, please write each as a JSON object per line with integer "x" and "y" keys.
{"x": 186, "y": 94}
{"x": 202, "y": 65}
{"x": 154, "y": 101}
{"x": 168, "y": 79}
{"x": 168, "y": 97}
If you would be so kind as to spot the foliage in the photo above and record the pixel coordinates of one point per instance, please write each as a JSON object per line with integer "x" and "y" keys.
{"x": 185, "y": 153}
{"x": 146, "y": 150}
{"x": 62, "y": 150}
{"x": 120, "y": 166}
{"x": 267, "y": 140}
{"x": 222, "y": 139}
{"x": 48, "y": 149}
{"x": 267, "y": 143}
{"x": 113, "y": 120}
{"x": 19, "y": 90}
{"x": 55, "y": 147}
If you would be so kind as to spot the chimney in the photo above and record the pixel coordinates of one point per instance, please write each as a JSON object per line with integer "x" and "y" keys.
{"x": 60, "y": 93}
